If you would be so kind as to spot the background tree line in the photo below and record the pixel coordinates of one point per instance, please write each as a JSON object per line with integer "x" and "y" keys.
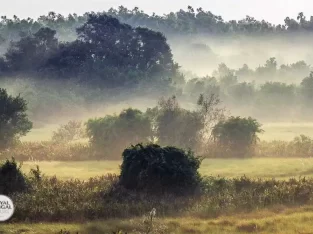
{"x": 284, "y": 92}
{"x": 111, "y": 58}
{"x": 187, "y": 21}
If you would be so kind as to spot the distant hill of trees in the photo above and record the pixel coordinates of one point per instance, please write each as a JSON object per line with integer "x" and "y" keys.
{"x": 187, "y": 21}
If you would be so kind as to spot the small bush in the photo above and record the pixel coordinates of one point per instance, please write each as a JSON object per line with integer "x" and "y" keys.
{"x": 236, "y": 136}
{"x": 159, "y": 169}
{"x": 110, "y": 135}
{"x": 11, "y": 178}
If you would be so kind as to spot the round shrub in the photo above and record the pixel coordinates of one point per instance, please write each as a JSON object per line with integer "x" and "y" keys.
{"x": 110, "y": 135}
{"x": 159, "y": 169}
{"x": 236, "y": 136}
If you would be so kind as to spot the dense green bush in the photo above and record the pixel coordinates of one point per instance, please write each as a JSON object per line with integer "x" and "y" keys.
{"x": 11, "y": 178}
{"x": 13, "y": 118}
{"x": 236, "y": 136}
{"x": 110, "y": 135}
{"x": 159, "y": 169}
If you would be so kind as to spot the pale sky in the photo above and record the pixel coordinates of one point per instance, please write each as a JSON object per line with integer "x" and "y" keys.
{"x": 271, "y": 10}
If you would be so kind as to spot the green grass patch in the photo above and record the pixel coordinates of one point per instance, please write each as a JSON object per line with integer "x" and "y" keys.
{"x": 279, "y": 168}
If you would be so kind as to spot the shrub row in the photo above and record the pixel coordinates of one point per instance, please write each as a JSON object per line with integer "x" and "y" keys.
{"x": 301, "y": 147}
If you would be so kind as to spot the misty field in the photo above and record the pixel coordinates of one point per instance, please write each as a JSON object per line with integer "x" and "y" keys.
{"x": 279, "y": 168}
{"x": 97, "y": 111}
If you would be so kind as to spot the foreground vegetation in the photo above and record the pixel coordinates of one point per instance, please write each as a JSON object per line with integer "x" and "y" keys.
{"x": 95, "y": 199}
{"x": 111, "y": 196}
{"x": 122, "y": 203}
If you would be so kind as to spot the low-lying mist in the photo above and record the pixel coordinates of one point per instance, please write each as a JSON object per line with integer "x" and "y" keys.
{"x": 57, "y": 102}
{"x": 245, "y": 94}
{"x": 201, "y": 55}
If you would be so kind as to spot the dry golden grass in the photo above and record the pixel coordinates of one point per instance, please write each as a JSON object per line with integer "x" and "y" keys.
{"x": 275, "y": 221}
{"x": 279, "y": 168}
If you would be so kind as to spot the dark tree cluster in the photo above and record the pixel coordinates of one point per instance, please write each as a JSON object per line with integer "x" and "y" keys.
{"x": 107, "y": 53}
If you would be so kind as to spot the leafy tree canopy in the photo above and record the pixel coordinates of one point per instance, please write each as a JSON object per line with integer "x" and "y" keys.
{"x": 13, "y": 118}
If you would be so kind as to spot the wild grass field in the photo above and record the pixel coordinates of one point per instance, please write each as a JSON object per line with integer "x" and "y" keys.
{"x": 267, "y": 168}
{"x": 277, "y": 220}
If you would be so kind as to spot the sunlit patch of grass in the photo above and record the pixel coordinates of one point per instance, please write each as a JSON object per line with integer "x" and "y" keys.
{"x": 286, "y": 131}
{"x": 279, "y": 168}
{"x": 78, "y": 170}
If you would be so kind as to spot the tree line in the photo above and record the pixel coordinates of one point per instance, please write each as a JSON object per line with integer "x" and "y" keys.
{"x": 187, "y": 21}
{"x": 111, "y": 55}
{"x": 257, "y": 94}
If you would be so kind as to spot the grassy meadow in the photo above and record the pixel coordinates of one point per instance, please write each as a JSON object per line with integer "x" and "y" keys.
{"x": 277, "y": 219}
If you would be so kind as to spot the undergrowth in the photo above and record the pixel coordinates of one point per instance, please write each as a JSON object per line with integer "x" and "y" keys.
{"x": 52, "y": 200}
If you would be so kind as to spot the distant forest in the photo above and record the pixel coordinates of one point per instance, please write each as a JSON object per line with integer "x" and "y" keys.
{"x": 182, "y": 22}
{"x": 123, "y": 52}
{"x": 118, "y": 46}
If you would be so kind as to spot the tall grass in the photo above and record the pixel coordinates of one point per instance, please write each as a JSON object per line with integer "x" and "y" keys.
{"x": 102, "y": 198}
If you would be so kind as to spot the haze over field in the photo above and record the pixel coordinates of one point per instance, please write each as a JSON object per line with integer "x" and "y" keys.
{"x": 257, "y": 68}
{"x": 200, "y": 109}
